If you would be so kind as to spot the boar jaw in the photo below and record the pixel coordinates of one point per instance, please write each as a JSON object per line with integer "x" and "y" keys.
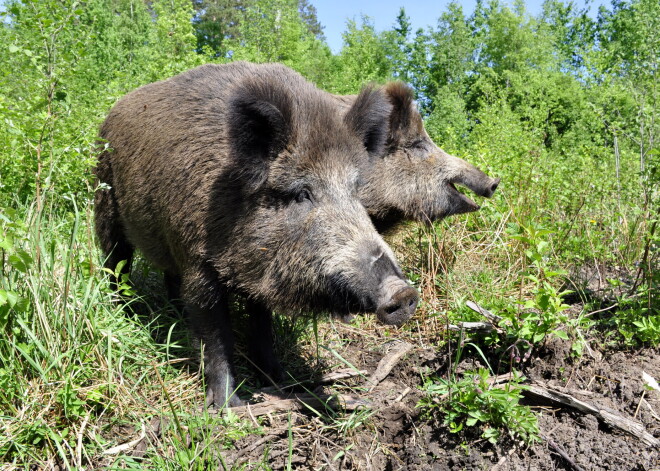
{"x": 458, "y": 202}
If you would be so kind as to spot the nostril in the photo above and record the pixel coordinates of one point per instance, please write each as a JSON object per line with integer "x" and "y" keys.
{"x": 412, "y": 303}
{"x": 495, "y": 185}
{"x": 392, "y": 308}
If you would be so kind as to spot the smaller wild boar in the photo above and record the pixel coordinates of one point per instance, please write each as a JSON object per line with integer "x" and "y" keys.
{"x": 243, "y": 178}
{"x": 414, "y": 179}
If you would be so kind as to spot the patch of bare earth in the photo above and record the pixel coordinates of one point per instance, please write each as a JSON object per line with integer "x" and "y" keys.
{"x": 373, "y": 422}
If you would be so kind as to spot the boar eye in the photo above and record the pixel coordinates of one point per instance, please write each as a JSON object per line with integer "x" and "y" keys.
{"x": 418, "y": 144}
{"x": 303, "y": 196}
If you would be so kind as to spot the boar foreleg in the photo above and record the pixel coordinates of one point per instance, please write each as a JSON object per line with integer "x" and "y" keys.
{"x": 261, "y": 342}
{"x": 206, "y": 304}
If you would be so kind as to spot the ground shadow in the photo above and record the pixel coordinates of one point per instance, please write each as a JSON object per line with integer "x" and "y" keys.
{"x": 168, "y": 324}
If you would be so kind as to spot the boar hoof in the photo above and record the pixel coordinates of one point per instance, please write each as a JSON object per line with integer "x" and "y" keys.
{"x": 218, "y": 397}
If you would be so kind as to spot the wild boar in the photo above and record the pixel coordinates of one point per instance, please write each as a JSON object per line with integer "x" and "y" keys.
{"x": 243, "y": 178}
{"x": 414, "y": 179}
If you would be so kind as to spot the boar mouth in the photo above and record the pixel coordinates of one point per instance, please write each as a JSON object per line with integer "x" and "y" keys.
{"x": 482, "y": 185}
{"x": 460, "y": 202}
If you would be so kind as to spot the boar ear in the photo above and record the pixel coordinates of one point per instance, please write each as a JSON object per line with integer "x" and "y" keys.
{"x": 368, "y": 118}
{"x": 402, "y": 98}
{"x": 259, "y": 126}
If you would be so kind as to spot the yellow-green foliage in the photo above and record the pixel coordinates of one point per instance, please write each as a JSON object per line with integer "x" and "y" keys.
{"x": 562, "y": 106}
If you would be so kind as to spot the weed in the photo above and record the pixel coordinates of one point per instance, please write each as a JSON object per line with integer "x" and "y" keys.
{"x": 475, "y": 401}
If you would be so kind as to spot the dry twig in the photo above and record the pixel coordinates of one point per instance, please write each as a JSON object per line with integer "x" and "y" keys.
{"x": 629, "y": 426}
{"x": 560, "y": 451}
{"x": 301, "y": 402}
{"x": 340, "y": 374}
{"x": 387, "y": 363}
{"x": 125, "y": 446}
{"x": 494, "y": 318}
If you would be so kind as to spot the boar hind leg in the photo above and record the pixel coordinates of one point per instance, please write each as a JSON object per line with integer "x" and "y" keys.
{"x": 110, "y": 233}
{"x": 261, "y": 342}
{"x": 206, "y": 304}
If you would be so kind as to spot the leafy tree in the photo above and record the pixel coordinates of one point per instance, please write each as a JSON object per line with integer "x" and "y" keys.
{"x": 452, "y": 50}
{"x": 363, "y": 58}
{"x": 216, "y": 21}
{"x": 273, "y": 31}
{"x": 399, "y": 47}
{"x": 629, "y": 59}
{"x": 573, "y": 32}
{"x": 307, "y": 13}
{"x": 66, "y": 64}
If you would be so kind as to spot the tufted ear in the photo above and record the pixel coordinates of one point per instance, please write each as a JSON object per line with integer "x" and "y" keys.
{"x": 259, "y": 126}
{"x": 368, "y": 118}
{"x": 402, "y": 98}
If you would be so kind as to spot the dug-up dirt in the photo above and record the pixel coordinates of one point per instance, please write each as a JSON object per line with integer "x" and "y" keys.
{"x": 363, "y": 412}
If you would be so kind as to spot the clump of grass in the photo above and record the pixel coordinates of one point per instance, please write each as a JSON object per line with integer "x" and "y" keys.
{"x": 78, "y": 368}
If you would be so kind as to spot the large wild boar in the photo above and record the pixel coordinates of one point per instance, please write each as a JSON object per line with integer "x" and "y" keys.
{"x": 414, "y": 178}
{"x": 243, "y": 178}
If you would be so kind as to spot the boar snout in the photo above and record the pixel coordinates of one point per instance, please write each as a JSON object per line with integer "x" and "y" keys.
{"x": 467, "y": 175}
{"x": 473, "y": 178}
{"x": 397, "y": 303}
{"x": 379, "y": 285}
{"x": 490, "y": 187}
{"x": 397, "y": 300}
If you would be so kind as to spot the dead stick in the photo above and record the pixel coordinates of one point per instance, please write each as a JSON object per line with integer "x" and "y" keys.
{"x": 629, "y": 426}
{"x": 560, "y": 451}
{"x": 472, "y": 326}
{"x": 301, "y": 402}
{"x": 258, "y": 443}
{"x": 402, "y": 395}
{"x": 337, "y": 375}
{"x": 484, "y": 312}
{"x": 503, "y": 459}
{"x": 387, "y": 363}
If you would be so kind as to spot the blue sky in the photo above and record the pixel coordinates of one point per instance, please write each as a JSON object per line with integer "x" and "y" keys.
{"x": 333, "y": 14}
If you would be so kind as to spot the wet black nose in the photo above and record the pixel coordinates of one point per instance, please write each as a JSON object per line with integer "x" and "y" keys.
{"x": 399, "y": 308}
{"x": 488, "y": 191}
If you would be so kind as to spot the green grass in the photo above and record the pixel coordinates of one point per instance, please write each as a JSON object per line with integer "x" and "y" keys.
{"x": 83, "y": 369}
{"x": 77, "y": 364}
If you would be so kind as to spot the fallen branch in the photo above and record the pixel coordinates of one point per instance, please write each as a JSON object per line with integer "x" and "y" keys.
{"x": 344, "y": 373}
{"x": 499, "y": 465}
{"x": 153, "y": 430}
{"x": 387, "y": 363}
{"x": 472, "y": 326}
{"x": 402, "y": 395}
{"x": 629, "y": 426}
{"x": 257, "y": 444}
{"x": 125, "y": 446}
{"x": 494, "y": 318}
{"x": 301, "y": 402}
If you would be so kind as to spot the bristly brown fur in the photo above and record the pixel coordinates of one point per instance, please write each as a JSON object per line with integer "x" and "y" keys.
{"x": 414, "y": 178}
{"x": 242, "y": 177}
{"x": 369, "y": 109}
{"x": 402, "y": 98}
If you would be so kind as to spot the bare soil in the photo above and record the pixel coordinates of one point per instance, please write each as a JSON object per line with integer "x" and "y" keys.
{"x": 390, "y": 432}
{"x": 395, "y": 436}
